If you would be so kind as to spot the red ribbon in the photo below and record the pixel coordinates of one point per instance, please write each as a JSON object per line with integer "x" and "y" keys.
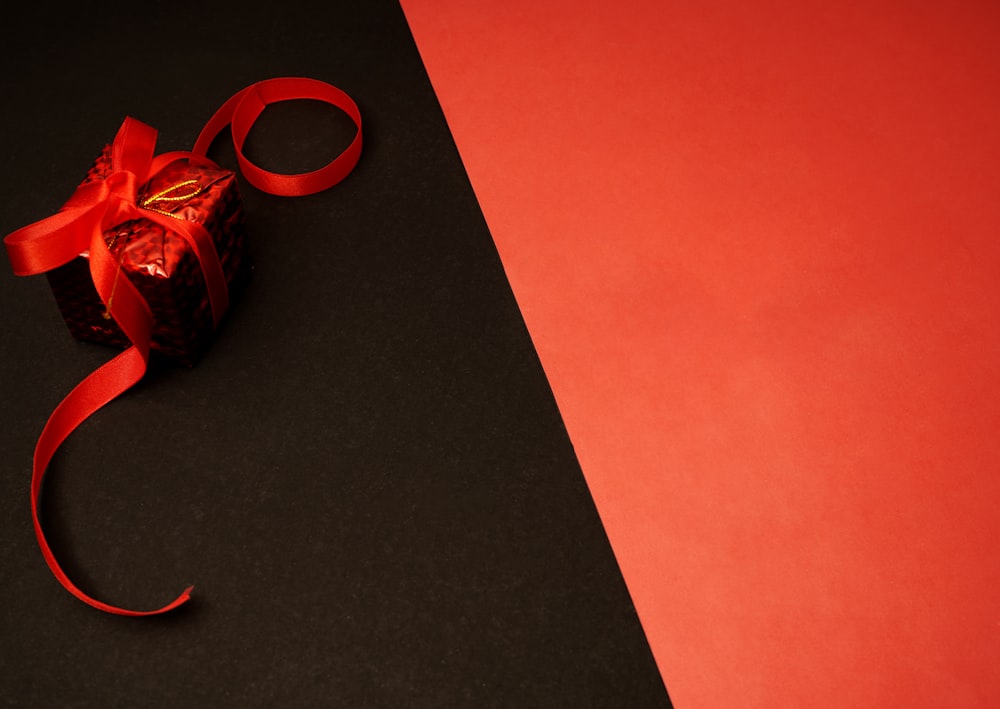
{"x": 99, "y": 206}
{"x": 245, "y": 107}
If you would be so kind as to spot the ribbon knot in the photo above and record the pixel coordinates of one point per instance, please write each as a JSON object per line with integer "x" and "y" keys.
{"x": 119, "y": 192}
{"x": 123, "y": 185}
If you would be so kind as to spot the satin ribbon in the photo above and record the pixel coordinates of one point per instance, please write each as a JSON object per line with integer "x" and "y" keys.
{"x": 99, "y": 206}
{"x": 243, "y": 109}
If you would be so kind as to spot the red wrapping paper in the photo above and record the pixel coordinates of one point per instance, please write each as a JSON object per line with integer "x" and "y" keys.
{"x": 160, "y": 263}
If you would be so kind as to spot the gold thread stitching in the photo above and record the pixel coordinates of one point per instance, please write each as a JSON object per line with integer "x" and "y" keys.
{"x": 166, "y": 196}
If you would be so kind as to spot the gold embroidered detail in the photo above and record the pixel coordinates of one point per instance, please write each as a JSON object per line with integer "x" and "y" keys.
{"x": 114, "y": 284}
{"x": 168, "y": 195}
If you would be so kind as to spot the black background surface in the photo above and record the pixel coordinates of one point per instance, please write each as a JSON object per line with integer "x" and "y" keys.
{"x": 367, "y": 478}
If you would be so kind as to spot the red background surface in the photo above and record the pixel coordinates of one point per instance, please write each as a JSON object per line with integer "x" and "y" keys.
{"x": 756, "y": 246}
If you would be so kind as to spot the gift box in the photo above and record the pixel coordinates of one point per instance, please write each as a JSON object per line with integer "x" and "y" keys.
{"x": 147, "y": 255}
{"x": 160, "y": 262}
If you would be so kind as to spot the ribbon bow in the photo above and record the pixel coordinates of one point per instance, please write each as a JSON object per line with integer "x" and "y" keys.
{"x": 100, "y": 205}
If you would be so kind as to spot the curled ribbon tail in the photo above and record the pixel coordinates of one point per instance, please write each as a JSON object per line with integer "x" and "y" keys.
{"x": 52, "y": 242}
{"x": 99, "y": 388}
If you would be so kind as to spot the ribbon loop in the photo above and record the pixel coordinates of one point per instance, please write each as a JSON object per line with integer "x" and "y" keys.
{"x": 242, "y": 111}
{"x": 132, "y": 148}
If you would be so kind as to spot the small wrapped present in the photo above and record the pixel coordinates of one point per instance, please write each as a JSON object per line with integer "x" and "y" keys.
{"x": 146, "y": 255}
{"x": 159, "y": 260}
